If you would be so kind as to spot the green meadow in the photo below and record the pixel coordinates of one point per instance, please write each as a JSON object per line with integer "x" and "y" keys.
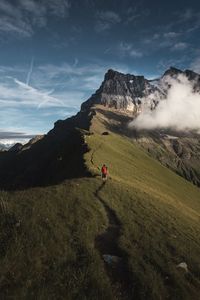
{"x": 53, "y": 239}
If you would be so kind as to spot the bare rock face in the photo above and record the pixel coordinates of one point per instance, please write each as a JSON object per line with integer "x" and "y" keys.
{"x": 31, "y": 142}
{"x": 129, "y": 92}
{"x": 180, "y": 153}
{"x": 193, "y": 77}
{"x": 173, "y": 72}
{"x": 122, "y": 91}
{"x": 16, "y": 148}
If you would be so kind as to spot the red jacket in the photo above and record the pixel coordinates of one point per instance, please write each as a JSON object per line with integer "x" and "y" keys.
{"x": 104, "y": 170}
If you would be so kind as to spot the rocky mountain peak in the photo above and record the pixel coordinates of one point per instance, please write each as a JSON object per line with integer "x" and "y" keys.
{"x": 115, "y": 75}
{"x": 191, "y": 75}
{"x": 111, "y": 74}
{"x": 121, "y": 91}
{"x": 132, "y": 92}
{"x": 172, "y": 71}
{"x": 16, "y": 148}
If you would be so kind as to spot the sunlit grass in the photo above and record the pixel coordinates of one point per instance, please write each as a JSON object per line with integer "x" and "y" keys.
{"x": 47, "y": 234}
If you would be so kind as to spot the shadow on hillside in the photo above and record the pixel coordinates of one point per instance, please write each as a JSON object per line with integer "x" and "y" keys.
{"x": 53, "y": 159}
{"x": 118, "y": 123}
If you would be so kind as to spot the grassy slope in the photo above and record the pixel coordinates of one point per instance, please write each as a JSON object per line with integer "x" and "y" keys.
{"x": 181, "y": 155}
{"x": 50, "y": 253}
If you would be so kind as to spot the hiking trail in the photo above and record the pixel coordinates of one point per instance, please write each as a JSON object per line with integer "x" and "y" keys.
{"x": 115, "y": 259}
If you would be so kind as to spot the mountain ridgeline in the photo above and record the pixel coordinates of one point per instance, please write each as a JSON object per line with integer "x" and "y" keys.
{"x": 128, "y": 92}
{"x": 58, "y": 155}
{"x": 66, "y": 234}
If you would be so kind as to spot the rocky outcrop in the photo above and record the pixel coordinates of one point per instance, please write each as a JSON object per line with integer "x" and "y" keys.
{"x": 180, "y": 152}
{"x": 31, "y": 142}
{"x": 172, "y": 72}
{"x": 192, "y": 76}
{"x": 132, "y": 93}
{"x": 16, "y": 148}
{"x": 122, "y": 91}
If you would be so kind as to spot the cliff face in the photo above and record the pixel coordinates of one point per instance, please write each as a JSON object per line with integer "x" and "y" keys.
{"x": 129, "y": 92}
{"x": 179, "y": 152}
{"x": 122, "y": 91}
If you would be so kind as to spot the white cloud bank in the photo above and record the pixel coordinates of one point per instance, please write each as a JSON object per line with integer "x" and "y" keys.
{"x": 11, "y": 142}
{"x": 180, "y": 110}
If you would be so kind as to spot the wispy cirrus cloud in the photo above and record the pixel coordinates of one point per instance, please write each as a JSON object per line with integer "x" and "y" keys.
{"x": 171, "y": 34}
{"x": 173, "y": 41}
{"x": 52, "y": 92}
{"x": 132, "y": 15}
{"x": 20, "y": 19}
{"x": 33, "y": 111}
{"x": 59, "y": 8}
{"x": 30, "y": 109}
{"x": 179, "y": 62}
{"x": 74, "y": 83}
{"x": 180, "y": 46}
{"x": 189, "y": 18}
{"x": 135, "y": 13}
{"x": 105, "y": 20}
{"x": 163, "y": 39}
{"x": 175, "y": 35}
{"x": 187, "y": 15}
{"x": 15, "y": 93}
{"x": 15, "y": 26}
{"x": 127, "y": 49}
{"x": 52, "y": 85}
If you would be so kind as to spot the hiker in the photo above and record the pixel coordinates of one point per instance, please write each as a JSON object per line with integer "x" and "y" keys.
{"x": 104, "y": 172}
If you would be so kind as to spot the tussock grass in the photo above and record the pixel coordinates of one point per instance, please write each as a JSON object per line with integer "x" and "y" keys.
{"x": 51, "y": 255}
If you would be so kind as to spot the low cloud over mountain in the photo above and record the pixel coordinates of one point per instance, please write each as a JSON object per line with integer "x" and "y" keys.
{"x": 180, "y": 109}
{"x": 171, "y": 101}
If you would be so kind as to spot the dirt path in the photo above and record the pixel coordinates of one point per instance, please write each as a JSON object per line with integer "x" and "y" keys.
{"x": 115, "y": 259}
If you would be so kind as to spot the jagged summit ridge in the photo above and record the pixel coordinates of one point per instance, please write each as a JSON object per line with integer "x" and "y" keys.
{"x": 172, "y": 71}
{"x": 129, "y": 92}
{"x": 121, "y": 91}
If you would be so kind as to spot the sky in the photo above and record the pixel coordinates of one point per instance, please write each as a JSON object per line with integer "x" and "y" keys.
{"x": 54, "y": 54}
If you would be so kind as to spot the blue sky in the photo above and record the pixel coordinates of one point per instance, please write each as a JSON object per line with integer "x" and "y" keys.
{"x": 53, "y": 54}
